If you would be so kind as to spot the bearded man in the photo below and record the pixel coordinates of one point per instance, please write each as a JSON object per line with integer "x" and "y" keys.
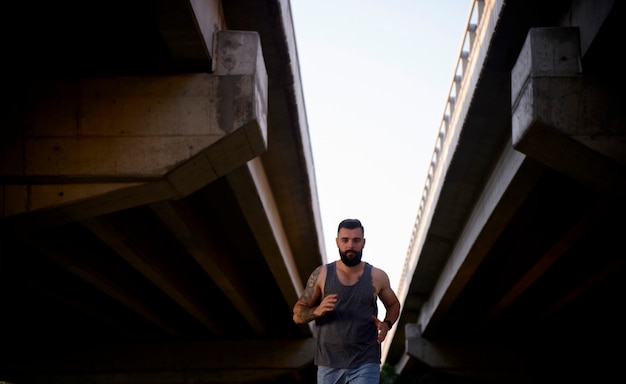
{"x": 341, "y": 297}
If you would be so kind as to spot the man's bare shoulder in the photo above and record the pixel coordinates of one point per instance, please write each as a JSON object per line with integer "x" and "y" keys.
{"x": 317, "y": 277}
{"x": 320, "y": 269}
{"x": 321, "y": 273}
{"x": 314, "y": 288}
{"x": 380, "y": 277}
{"x": 377, "y": 271}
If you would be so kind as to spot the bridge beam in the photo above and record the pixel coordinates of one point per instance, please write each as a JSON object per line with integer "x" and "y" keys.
{"x": 563, "y": 119}
{"x": 87, "y": 146}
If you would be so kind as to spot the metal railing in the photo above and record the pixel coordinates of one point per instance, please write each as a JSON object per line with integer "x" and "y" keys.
{"x": 458, "y": 82}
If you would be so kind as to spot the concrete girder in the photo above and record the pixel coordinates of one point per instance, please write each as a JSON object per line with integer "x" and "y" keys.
{"x": 88, "y": 145}
{"x": 563, "y": 119}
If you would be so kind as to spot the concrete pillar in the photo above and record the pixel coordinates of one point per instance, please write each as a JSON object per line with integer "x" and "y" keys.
{"x": 561, "y": 118}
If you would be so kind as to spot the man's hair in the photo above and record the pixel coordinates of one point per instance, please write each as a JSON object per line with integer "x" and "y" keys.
{"x": 351, "y": 224}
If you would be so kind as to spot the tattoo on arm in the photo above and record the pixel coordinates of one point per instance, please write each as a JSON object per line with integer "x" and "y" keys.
{"x": 306, "y": 314}
{"x": 306, "y": 306}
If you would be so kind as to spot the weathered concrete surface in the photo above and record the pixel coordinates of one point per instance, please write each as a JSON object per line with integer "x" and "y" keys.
{"x": 107, "y": 143}
{"x": 560, "y": 117}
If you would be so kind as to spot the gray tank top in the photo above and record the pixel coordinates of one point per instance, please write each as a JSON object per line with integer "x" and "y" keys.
{"x": 346, "y": 337}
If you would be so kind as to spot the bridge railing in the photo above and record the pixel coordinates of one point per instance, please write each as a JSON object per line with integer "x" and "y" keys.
{"x": 450, "y": 115}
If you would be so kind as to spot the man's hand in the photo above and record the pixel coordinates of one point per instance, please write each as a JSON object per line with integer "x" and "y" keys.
{"x": 303, "y": 313}
{"x": 327, "y": 305}
{"x": 382, "y": 327}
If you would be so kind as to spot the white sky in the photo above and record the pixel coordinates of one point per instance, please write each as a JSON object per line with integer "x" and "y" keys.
{"x": 376, "y": 77}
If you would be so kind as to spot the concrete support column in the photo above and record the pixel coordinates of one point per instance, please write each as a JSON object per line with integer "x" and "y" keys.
{"x": 562, "y": 118}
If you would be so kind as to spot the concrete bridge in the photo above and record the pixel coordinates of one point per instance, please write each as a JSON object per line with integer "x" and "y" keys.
{"x": 159, "y": 215}
{"x": 516, "y": 264}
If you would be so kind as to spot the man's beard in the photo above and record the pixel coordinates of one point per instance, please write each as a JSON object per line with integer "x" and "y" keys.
{"x": 351, "y": 261}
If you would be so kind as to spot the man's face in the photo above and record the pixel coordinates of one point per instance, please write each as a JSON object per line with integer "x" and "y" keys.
{"x": 350, "y": 243}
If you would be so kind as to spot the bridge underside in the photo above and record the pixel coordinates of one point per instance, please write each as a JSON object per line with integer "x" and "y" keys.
{"x": 517, "y": 265}
{"x": 158, "y": 211}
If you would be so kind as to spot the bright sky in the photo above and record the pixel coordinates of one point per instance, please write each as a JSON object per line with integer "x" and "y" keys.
{"x": 376, "y": 77}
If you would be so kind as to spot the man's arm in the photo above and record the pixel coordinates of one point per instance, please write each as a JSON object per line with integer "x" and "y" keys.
{"x": 387, "y": 296}
{"x": 304, "y": 309}
{"x": 391, "y": 303}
